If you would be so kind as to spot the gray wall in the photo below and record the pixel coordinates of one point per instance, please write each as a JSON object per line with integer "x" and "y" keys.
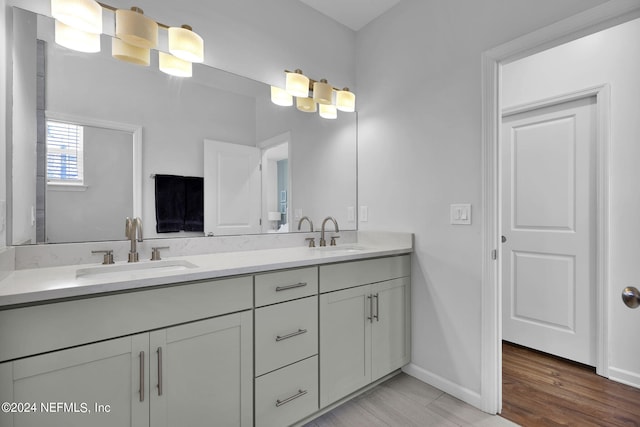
{"x": 420, "y": 129}
{"x": 98, "y": 211}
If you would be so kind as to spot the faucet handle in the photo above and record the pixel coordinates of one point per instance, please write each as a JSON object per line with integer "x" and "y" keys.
{"x": 155, "y": 252}
{"x": 108, "y": 256}
{"x": 312, "y": 241}
{"x": 333, "y": 240}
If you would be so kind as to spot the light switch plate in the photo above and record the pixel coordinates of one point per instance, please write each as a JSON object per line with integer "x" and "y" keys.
{"x": 461, "y": 214}
{"x": 364, "y": 213}
{"x": 297, "y": 213}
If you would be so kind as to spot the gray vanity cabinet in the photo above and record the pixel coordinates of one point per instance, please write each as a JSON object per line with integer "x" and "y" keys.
{"x": 201, "y": 373}
{"x": 196, "y": 371}
{"x": 286, "y": 346}
{"x": 197, "y": 374}
{"x": 364, "y": 327}
{"x": 106, "y": 373}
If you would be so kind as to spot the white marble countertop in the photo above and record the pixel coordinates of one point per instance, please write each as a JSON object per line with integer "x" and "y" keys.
{"x": 38, "y": 285}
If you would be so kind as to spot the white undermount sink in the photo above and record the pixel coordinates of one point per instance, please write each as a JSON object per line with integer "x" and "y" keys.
{"x": 340, "y": 249}
{"x": 163, "y": 266}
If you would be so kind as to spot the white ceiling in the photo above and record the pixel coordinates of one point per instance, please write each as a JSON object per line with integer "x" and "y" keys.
{"x": 355, "y": 14}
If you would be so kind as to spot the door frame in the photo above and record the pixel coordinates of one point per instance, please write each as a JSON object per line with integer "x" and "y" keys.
{"x": 609, "y": 14}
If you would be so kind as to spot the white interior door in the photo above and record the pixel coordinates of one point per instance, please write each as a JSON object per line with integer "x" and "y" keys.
{"x": 231, "y": 188}
{"x": 548, "y": 220}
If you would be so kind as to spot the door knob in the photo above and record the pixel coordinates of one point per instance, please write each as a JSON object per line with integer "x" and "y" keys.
{"x": 631, "y": 297}
{"x": 503, "y": 239}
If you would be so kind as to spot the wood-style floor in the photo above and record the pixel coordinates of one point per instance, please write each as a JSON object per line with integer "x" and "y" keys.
{"x": 404, "y": 401}
{"x": 543, "y": 390}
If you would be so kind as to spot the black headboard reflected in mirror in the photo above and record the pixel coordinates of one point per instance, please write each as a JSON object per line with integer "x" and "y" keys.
{"x": 309, "y": 163}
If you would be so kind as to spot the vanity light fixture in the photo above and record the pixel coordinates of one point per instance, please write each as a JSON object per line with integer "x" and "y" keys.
{"x": 297, "y": 84}
{"x": 83, "y": 15}
{"x": 129, "y": 53}
{"x": 75, "y": 39}
{"x": 136, "y": 29}
{"x": 174, "y": 66}
{"x": 328, "y": 111}
{"x": 323, "y": 92}
{"x": 280, "y": 97}
{"x": 185, "y": 44}
{"x": 346, "y": 100}
{"x": 307, "y": 105}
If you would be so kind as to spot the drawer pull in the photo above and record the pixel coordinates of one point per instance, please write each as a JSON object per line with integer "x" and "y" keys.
{"x": 291, "y": 335}
{"x": 287, "y": 287}
{"x": 300, "y": 393}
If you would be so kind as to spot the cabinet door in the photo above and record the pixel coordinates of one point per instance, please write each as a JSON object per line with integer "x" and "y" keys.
{"x": 97, "y": 385}
{"x": 390, "y": 332}
{"x": 345, "y": 334}
{"x": 202, "y": 373}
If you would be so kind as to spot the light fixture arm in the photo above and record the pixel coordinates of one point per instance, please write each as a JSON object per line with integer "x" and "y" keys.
{"x": 113, "y": 9}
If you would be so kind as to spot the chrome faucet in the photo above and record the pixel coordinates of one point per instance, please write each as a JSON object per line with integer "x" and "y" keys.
{"x": 133, "y": 231}
{"x": 302, "y": 220}
{"x": 323, "y": 242}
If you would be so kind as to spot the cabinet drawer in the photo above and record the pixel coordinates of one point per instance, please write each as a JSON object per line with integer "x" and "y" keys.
{"x": 288, "y": 394}
{"x": 285, "y": 285}
{"x": 344, "y": 275}
{"x": 285, "y": 333}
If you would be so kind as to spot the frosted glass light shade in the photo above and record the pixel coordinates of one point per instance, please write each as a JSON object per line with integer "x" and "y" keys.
{"x": 328, "y": 111}
{"x": 136, "y": 29}
{"x": 83, "y": 15}
{"x": 75, "y": 39}
{"x": 173, "y": 66}
{"x": 280, "y": 97}
{"x": 307, "y": 105}
{"x": 185, "y": 44}
{"x": 130, "y": 53}
{"x": 322, "y": 92}
{"x": 297, "y": 84}
{"x": 345, "y": 100}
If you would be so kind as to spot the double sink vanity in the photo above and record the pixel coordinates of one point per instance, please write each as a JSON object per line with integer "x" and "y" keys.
{"x": 269, "y": 337}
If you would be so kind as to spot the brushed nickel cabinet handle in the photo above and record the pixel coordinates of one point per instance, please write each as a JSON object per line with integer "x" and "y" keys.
{"x": 287, "y": 287}
{"x": 159, "y": 351}
{"x": 291, "y": 335}
{"x": 300, "y": 393}
{"x": 370, "y": 317}
{"x": 377, "y": 316}
{"x": 141, "y": 376}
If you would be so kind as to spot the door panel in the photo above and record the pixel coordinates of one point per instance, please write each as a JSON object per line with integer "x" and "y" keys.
{"x": 548, "y": 219}
{"x": 544, "y": 201}
{"x": 206, "y": 371}
{"x": 390, "y": 338}
{"x": 345, "y": 342}
{"x": 106, "y": 373}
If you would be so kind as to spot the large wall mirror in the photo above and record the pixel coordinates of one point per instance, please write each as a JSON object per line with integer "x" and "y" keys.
{"x": 134, "y": 123}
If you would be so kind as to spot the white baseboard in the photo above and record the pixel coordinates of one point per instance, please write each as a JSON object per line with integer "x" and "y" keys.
{"x": 624, "y": 377}
{"x": 456, "y": 390}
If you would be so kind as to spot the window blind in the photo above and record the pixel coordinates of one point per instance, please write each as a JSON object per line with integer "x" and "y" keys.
{"x": 64, "y": 153}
